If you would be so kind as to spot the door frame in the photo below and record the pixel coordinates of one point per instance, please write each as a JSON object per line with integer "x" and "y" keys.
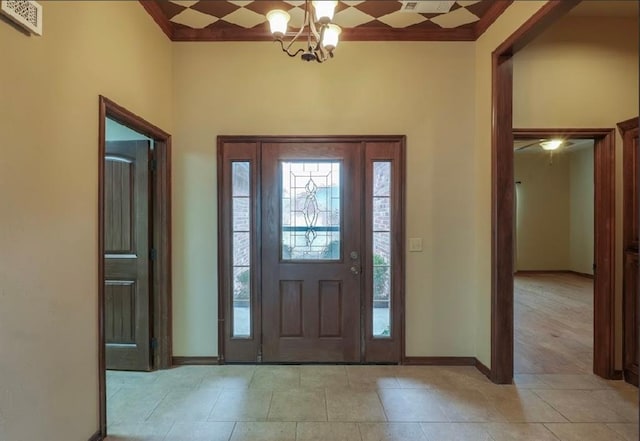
{"x": 630, "y": 158}
{"x": 502, "y": 202}
{"x": 160, "y": 218}
{"x": 626, "y": 129}
{"x": 247, "y": 151}
{"x": 604, "y": 240}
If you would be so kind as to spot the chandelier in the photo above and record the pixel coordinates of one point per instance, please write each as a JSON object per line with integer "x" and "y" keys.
{"x": 321, "y": 35}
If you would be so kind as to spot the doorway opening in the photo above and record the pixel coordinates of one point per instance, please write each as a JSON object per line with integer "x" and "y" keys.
{"x": 604, "y": 250}
{"x": 553, "y": 255}
{"x": 311, "y": 257}
{"x": 134, "y": 246}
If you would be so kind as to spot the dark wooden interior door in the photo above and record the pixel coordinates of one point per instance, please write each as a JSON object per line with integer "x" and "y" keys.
{"x": 311, "y": 251}
{"x": 631, "y": 282}
{"x": 126, "y": 211}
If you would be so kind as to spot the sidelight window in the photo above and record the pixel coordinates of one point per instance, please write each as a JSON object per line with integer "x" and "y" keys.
{"x": 381, "y": 249}
{"x": 241, "y": 248}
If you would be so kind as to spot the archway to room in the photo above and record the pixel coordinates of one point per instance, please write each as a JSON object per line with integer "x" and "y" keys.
{"x": 134, "y": 251}
{"x": 502, "y": 332}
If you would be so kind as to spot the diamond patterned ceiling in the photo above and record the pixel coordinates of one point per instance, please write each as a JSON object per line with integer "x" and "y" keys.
{"x": 211, "y": 20}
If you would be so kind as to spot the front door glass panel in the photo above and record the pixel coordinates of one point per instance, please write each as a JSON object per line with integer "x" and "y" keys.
{"x": 311, "y": 210}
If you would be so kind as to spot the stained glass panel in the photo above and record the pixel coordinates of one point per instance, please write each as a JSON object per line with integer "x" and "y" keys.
{"x": 240, "y": 182}
{"x": 310, "y": 210}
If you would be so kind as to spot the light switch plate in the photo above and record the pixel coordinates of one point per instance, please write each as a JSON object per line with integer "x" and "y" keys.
{"x": 415, "y": 244}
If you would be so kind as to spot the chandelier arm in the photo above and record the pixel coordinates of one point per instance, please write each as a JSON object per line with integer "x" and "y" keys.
{"x": 320, "y": 56}
{"x": 312, "y": 27}
{"x": 286, "y": 50}
{"x": 317, "y": 35}
{"x": 295, "y": 37}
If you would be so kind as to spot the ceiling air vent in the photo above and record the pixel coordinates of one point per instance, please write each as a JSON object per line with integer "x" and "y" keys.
{"x": 26, "y": 13}
{"x": 427, "y": 7}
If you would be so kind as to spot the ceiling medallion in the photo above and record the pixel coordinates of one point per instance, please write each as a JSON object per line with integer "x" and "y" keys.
{"x": 320, "y": 34}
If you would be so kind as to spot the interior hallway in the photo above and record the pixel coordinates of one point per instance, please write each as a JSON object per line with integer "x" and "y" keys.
{"x": 364, "y": 403}
{"x": 553, "y": 324}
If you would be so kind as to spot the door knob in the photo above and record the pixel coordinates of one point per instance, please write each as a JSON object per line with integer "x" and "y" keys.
{"x": 355, "y": 270}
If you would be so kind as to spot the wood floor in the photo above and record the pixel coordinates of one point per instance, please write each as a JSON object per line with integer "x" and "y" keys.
{"x": 553, "y": 324}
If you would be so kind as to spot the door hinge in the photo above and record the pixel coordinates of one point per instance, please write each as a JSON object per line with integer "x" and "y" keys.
{"x": 259, "y": 360}
{"x": 153, "y": 254}
{"x": 153, "y": 343}
{"x": 153, "y": 165}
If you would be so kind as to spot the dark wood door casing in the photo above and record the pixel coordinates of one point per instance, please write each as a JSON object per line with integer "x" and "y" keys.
{"x": 629, "y": 132}
{"x": 631, "y": 281}
{"x": 630, "y": 303}
{"x": 127, "y": 269}
{"x": 367, "y": 149}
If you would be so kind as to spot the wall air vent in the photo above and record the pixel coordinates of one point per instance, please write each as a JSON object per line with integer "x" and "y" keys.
{"x": 427, "y": 7}
{"x": 25, "y": 13}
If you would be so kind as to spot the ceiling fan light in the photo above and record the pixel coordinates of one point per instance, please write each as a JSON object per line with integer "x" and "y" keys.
{"x": 552, "y": 144}
{"x": 278, "y": 20}
{"x": 324, "y": 10}
{"x": 331, "y": 37}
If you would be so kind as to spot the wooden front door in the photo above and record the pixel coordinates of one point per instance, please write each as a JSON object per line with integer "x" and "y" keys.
{"x": 631, "y": 282}
{"x": 311, "y": 249}
{"x": 311, "y": 252}
{"x": 126, "y": 239}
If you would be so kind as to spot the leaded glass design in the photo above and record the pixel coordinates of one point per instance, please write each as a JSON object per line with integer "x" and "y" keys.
{"x": 381, "y": 249}
{"x": 241, "y": 248}
{"x": 310, "y": 210}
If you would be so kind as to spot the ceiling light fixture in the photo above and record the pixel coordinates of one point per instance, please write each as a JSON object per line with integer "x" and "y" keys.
{"x": 551, "y": 144}
{"x": 321, "y": 35}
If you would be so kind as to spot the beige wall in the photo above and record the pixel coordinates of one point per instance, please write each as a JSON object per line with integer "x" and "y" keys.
{"x": 582, "y": 72}
{"x": 581, "y": 210}
{"x": 48, "y": 202}
{"x": 554, "y": 218}
{"x": 517, "y": 13}
{"x": 421, "y": 90}
{"x": 543, "y": 215}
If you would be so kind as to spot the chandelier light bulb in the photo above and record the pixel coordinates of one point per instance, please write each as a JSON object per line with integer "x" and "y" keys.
{"x": 278, "y": 20}
{"x": 331, "y": 36}
{"x": 324, "y": 10}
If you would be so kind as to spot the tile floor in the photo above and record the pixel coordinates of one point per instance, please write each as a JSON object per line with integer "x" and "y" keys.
{"x": 364, "y": 403}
